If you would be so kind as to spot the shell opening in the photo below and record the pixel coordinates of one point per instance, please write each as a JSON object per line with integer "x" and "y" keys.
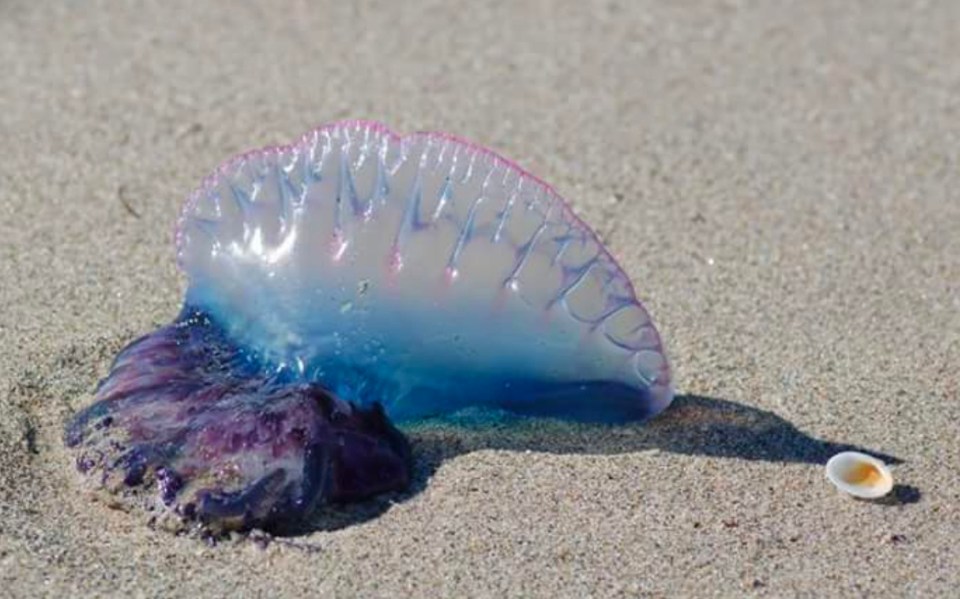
{"x": 859, "y": 475}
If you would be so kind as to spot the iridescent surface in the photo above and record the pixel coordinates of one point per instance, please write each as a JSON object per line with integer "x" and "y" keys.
{"x": 351, "y": 274}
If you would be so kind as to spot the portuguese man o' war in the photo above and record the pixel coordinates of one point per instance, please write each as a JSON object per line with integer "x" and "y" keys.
{"x": 348, "y": 281}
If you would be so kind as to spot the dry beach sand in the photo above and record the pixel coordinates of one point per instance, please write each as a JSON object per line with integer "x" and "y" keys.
{"x": 779, "y": 178}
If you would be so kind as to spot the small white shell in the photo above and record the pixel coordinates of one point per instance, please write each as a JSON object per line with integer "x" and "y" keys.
{"x": 859, "y": 475}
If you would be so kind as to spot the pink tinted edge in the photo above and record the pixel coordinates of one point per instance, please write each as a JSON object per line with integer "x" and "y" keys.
{"x": 213, "y": 178}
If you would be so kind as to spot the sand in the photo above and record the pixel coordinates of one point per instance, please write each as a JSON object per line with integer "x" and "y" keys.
{"x": 780, "y": 179}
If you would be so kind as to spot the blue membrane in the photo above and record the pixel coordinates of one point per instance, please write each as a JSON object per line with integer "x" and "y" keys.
{"x": 417, "y": 385}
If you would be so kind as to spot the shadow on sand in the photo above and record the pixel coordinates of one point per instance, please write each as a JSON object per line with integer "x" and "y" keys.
{"x": 693, "y": 425}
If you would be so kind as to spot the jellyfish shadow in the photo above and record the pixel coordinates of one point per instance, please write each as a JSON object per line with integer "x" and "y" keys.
{"x": 693, "y": 425}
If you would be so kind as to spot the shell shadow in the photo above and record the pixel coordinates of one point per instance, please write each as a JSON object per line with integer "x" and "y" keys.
{"x": 693, "y": 425}
{"x": 901, "y": 495}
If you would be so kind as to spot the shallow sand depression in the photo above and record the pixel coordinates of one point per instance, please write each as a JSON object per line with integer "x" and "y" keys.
{"x": 780, "y": 182}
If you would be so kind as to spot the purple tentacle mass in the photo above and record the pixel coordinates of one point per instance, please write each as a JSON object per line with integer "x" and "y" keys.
{"x": 189, "y": 413}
